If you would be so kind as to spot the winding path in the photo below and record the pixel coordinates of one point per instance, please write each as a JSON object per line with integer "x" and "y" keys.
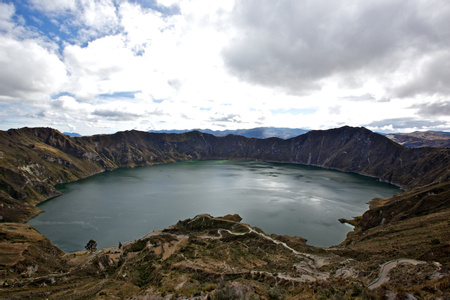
{"x": 308, "y": 267}
{"x": 387, "y": 266}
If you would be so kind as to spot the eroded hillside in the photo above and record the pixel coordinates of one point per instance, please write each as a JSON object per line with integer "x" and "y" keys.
{"x": 414, "y": 224}
{"x": 218, "y": 258}
{"x": 422, "y": 139}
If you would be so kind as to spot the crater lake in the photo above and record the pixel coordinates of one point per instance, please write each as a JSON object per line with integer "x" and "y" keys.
{"x": 286, "y": 199}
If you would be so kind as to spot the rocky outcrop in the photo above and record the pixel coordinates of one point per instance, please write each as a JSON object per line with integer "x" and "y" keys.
{"x": 33, "y": 160}
{"x": 414, "y": 225}
{"x": 419, "y": 202}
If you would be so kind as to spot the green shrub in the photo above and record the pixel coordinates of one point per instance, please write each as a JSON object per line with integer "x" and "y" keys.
{"x": 435, "y": 242}
{"x": 137, "y": 246}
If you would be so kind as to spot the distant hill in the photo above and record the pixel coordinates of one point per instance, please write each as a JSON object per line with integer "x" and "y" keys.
{"x": 71, "y": 133}
{"x": 259, "y": 132}
{"x": 419, "y": 139}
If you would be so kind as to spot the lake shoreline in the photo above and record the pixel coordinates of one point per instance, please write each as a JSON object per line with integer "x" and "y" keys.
{"x": 277, "y": 183}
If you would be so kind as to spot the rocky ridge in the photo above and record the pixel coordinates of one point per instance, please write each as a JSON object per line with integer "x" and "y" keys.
{"x": 422, "y": 139}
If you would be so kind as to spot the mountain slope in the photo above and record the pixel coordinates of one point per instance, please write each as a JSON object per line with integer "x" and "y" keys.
{"x": 422, "y": 139}
{"x": 413, "y": 224}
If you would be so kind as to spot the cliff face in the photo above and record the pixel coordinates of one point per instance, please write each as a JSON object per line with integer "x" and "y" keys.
{"x": 414, "y": 224}
{"x": 423, "y": 201}
{"x": 33, "y": 160}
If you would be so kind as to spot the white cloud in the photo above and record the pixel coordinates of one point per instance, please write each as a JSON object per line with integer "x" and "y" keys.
{"x": 168, "y": 3}
{"x": 89, "y": 19}
{"x": 6, "y": 13}
{"x": 93, "y": 67}
{"x": 301, "y": 45}
{"x": 100, "y": 15}
{"x": 226, "y": 64}
{"x": 28, "y": 70}
{"x": 141, "y": 26}
{"x": 70, "y": 104}
{"x": 430, "y": 77}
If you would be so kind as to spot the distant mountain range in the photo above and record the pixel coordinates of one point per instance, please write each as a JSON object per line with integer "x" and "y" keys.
{"x": 259, "y": 132}
{"x": 71, "y": 133}
{"x": 419, "y": 139}
{"x": 416, "y": 139}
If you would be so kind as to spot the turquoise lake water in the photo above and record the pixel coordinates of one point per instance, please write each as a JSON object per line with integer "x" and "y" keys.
{"x": 125, "y": 204}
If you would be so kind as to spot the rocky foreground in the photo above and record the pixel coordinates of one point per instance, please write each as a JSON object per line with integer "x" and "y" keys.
{"x": 220, "y": 258}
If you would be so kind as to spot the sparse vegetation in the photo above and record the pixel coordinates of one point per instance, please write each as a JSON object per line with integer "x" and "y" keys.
{"x": 136, "y": 246}
{"x": 221, "y": 263}
{"x": 91, "y": 246}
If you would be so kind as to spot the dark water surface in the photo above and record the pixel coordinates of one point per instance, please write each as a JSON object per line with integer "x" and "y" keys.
{"x": 126, "y": 204}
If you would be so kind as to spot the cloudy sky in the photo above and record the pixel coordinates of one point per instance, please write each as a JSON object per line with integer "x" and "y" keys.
{"x": 101, "y": 66}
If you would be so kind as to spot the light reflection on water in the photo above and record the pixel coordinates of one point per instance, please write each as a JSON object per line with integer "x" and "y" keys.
{"x": 126, "y": 204}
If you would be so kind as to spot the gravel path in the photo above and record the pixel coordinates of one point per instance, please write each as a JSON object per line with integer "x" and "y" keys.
{"x": 387, "y": 266}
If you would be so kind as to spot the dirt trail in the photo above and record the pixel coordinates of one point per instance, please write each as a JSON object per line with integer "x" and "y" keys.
{"x": 317, "y": 261}
{"x": 307, "y": 268}
{"x": 387, "y": 266}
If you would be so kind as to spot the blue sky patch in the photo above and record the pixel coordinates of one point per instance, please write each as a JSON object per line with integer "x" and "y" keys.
{"x": 124, "y": 94}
